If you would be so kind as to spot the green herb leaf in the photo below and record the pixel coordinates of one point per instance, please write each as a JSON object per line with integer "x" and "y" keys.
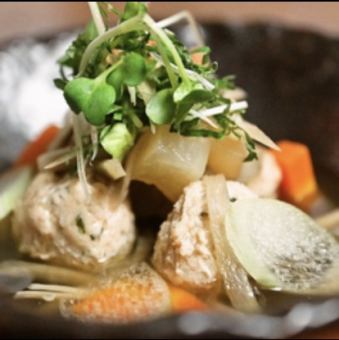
{"x": 60, "y": 83}
{"x": 132, "y": 9}
{"x": 73, "y": 54}
{"x": 99, "y": 104}
{"x": 252, "y": 154}
{"x": 91, "y": 97}
{"x": 134, "y": 69}
{"x": 116, "y": 79}
{"x": 116, "y": 140}
{"x": 77, "y": 93}
{"x": 161, "y": 107}
{"x": 182, "y": 91}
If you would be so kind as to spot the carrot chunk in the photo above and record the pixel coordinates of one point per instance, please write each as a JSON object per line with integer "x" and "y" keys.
{"x": 35, "y": 148}
{"x": 198, "y": 58}
{"x": 298, "y": 185}
{"x": 183, "y": 301}
{"x": 138, "y": 293}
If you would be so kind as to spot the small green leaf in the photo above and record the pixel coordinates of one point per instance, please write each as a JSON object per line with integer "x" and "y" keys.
{"x": 60, "y": 83}
{"x": 134, "y": 69}
{"x": 194, "y": 97}
{"x": 116, "y": 140}
{"x": 116, "y": 79}
{"x": 100, "y": 103}
{"x": 182, "y": 91}
{"x": 77, "y": 93}
{"x": 161, "y": 107}
{"x": 132, "y": 9}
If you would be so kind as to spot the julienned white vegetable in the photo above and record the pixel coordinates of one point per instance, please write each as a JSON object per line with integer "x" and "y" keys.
{"x": 12, "y": 186}
{"x": 169, "y": 161}
{"x": 280, "y": 246}
{"x": 235, "y": 280}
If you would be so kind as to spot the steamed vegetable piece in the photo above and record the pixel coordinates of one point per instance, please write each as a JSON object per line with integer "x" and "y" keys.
{"x": 235, "y": 280}
{"x": 227, "y": 156}
{"x": 169, "y": 161}
{"x": 183, "y": 301}
{"x": 35, "y": 148}
{"x": 137, "y": 293}
{"x": 299, "y": 185}
{"x": 12, "y": 187}
{"x": 112, "y": 168}
{"x": 280, "y": 246}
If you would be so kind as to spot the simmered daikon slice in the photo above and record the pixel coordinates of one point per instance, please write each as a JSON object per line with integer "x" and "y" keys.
{"x": 280, "y": 246}
{"x": 169, "y": 161}
{"x": 227, "y": 156}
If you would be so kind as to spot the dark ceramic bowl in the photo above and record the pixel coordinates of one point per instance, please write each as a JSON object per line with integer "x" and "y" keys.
{"x": 292, "y": 80}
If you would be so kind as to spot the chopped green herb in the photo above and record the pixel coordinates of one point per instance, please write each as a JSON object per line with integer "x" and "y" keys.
{"x": 80, "y": 224}
{"x": 116, "y": 140}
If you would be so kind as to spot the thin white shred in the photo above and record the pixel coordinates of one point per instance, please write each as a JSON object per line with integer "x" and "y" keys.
{"x": 97, "y": 18}
{"x": 256, "y": 134}
{"x": 53, "y": 288}
{"x": 184, "y": 15}
{"x": 42, "y": 295}
{"x": 80, "y": 154}
{"x": 95, "y": 142}
{"x": 234, "y": 107}
{"x": 51, "y": 159}
{"x": 207, "y": 120}
{"x": 191, "y": 74}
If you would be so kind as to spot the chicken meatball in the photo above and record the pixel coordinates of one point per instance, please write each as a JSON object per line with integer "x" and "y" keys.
{"x": 56, "y": 221}
{"x": 183, "y": 252}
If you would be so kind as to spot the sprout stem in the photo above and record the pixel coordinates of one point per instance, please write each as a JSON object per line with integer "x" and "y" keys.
{"x": 97, "y": 17}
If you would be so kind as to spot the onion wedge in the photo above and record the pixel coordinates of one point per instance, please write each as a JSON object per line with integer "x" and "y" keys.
{"x": 255, "y": 133}
{"x": 234, "y": 277}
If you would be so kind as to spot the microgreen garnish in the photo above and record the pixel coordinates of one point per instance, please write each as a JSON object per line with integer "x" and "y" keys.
{"x": 138, "y": 74}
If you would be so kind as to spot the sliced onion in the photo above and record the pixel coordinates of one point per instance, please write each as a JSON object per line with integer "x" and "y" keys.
{"x": 234, "y": 277}
{"x": 255, "y": 133}
{"x": 55, "y": 158}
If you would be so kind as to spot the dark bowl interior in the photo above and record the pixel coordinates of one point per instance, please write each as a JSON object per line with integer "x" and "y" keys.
{"x": 292, "y": 81}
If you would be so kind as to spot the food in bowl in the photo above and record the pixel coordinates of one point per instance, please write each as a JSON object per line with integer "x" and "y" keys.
{"x": 144, "y": 108}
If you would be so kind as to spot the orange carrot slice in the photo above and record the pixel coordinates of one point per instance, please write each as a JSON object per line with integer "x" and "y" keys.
{"x": 198, "y": 58}
{"x": 136, "y": 294}
{"x": 35, "y": 148}
{"x": 183, "y": 301}
{"x": 298, "y": 185}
